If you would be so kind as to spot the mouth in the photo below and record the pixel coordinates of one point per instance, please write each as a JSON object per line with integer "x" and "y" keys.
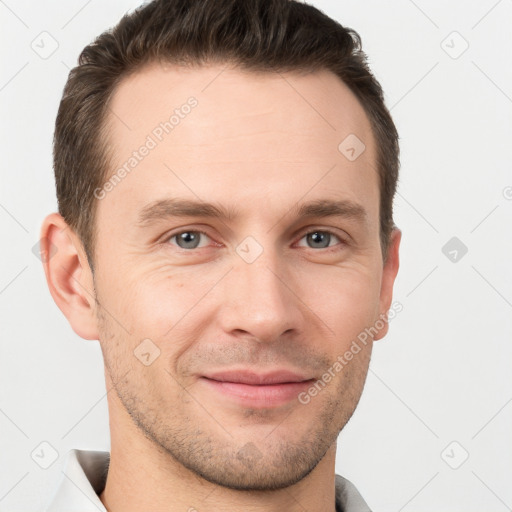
{"x": 258, "y": 390}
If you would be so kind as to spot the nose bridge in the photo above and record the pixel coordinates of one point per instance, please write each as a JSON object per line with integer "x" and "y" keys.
{"x": 261, "y": 302}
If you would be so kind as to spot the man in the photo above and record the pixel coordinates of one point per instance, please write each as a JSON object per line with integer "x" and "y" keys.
{"x": 225, "y": 175}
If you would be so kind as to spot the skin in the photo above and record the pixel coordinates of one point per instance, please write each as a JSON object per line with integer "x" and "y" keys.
{"x": 260, "y": 144}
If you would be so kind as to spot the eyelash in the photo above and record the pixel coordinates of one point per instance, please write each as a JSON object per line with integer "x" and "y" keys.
{"x": 342, "y": 241}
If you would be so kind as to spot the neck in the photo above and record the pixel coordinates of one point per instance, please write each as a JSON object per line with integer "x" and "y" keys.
{"x": 143, "y": 476}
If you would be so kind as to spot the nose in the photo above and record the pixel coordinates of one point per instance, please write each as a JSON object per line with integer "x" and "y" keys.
{"x": 260, "y": 301}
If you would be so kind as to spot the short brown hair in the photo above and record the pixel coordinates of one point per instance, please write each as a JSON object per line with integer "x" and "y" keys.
{"x": 259, "y": 35}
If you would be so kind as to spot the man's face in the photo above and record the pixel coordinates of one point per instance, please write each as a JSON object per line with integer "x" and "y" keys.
{"x": 268, "y": 293}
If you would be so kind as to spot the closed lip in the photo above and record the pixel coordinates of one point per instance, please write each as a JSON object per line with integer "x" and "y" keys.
{"x": 254, "y": 378}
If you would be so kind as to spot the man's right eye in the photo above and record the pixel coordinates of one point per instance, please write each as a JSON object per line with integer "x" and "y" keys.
{"x": 188, "y": 239}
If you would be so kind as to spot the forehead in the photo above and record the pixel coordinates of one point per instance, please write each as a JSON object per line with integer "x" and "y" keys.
{"x": 217, "y": 132}
{"x": 228, "y": 95}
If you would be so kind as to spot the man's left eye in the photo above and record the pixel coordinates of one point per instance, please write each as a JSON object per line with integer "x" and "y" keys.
{"x": 321, "y": 239}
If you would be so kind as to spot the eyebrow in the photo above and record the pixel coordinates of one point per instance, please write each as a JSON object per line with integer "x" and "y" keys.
{"x": 173, "y": 207}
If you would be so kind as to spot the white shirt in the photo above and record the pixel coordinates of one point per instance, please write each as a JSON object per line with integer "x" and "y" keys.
{"x": 85, "y": 474}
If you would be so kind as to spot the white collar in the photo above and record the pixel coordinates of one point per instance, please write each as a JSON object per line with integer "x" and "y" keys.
{"x": 85, "y": 474}
{"x": 83, "y": 479}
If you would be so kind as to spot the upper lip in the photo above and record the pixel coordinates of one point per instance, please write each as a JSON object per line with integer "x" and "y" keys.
{"x": 257, "y": 378}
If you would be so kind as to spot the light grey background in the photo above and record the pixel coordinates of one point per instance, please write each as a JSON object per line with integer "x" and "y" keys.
{"x": 440, "y": 385}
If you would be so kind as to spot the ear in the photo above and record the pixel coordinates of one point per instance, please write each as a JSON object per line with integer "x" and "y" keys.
{"x": 389, "y": 273}
{"x": 68, "y": 275}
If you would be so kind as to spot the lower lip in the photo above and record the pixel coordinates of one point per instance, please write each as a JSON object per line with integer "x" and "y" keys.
{"x": 269, "y": 395}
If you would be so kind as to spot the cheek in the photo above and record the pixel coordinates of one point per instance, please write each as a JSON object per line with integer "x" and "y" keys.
{"x": 347, "y": 301}
{"x": 162, "y": 304}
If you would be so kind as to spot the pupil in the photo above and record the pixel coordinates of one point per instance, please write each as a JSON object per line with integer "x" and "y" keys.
{"x": 319, "y": 237}
{"x": 190, "y": 239}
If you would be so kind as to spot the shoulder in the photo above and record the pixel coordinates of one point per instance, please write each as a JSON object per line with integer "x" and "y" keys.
{"x": 348, "y": 498}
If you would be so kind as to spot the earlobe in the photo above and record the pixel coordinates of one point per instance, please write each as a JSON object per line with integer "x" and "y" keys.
{"x": 389, "y": 274}
{"x": 68, "y": 275}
